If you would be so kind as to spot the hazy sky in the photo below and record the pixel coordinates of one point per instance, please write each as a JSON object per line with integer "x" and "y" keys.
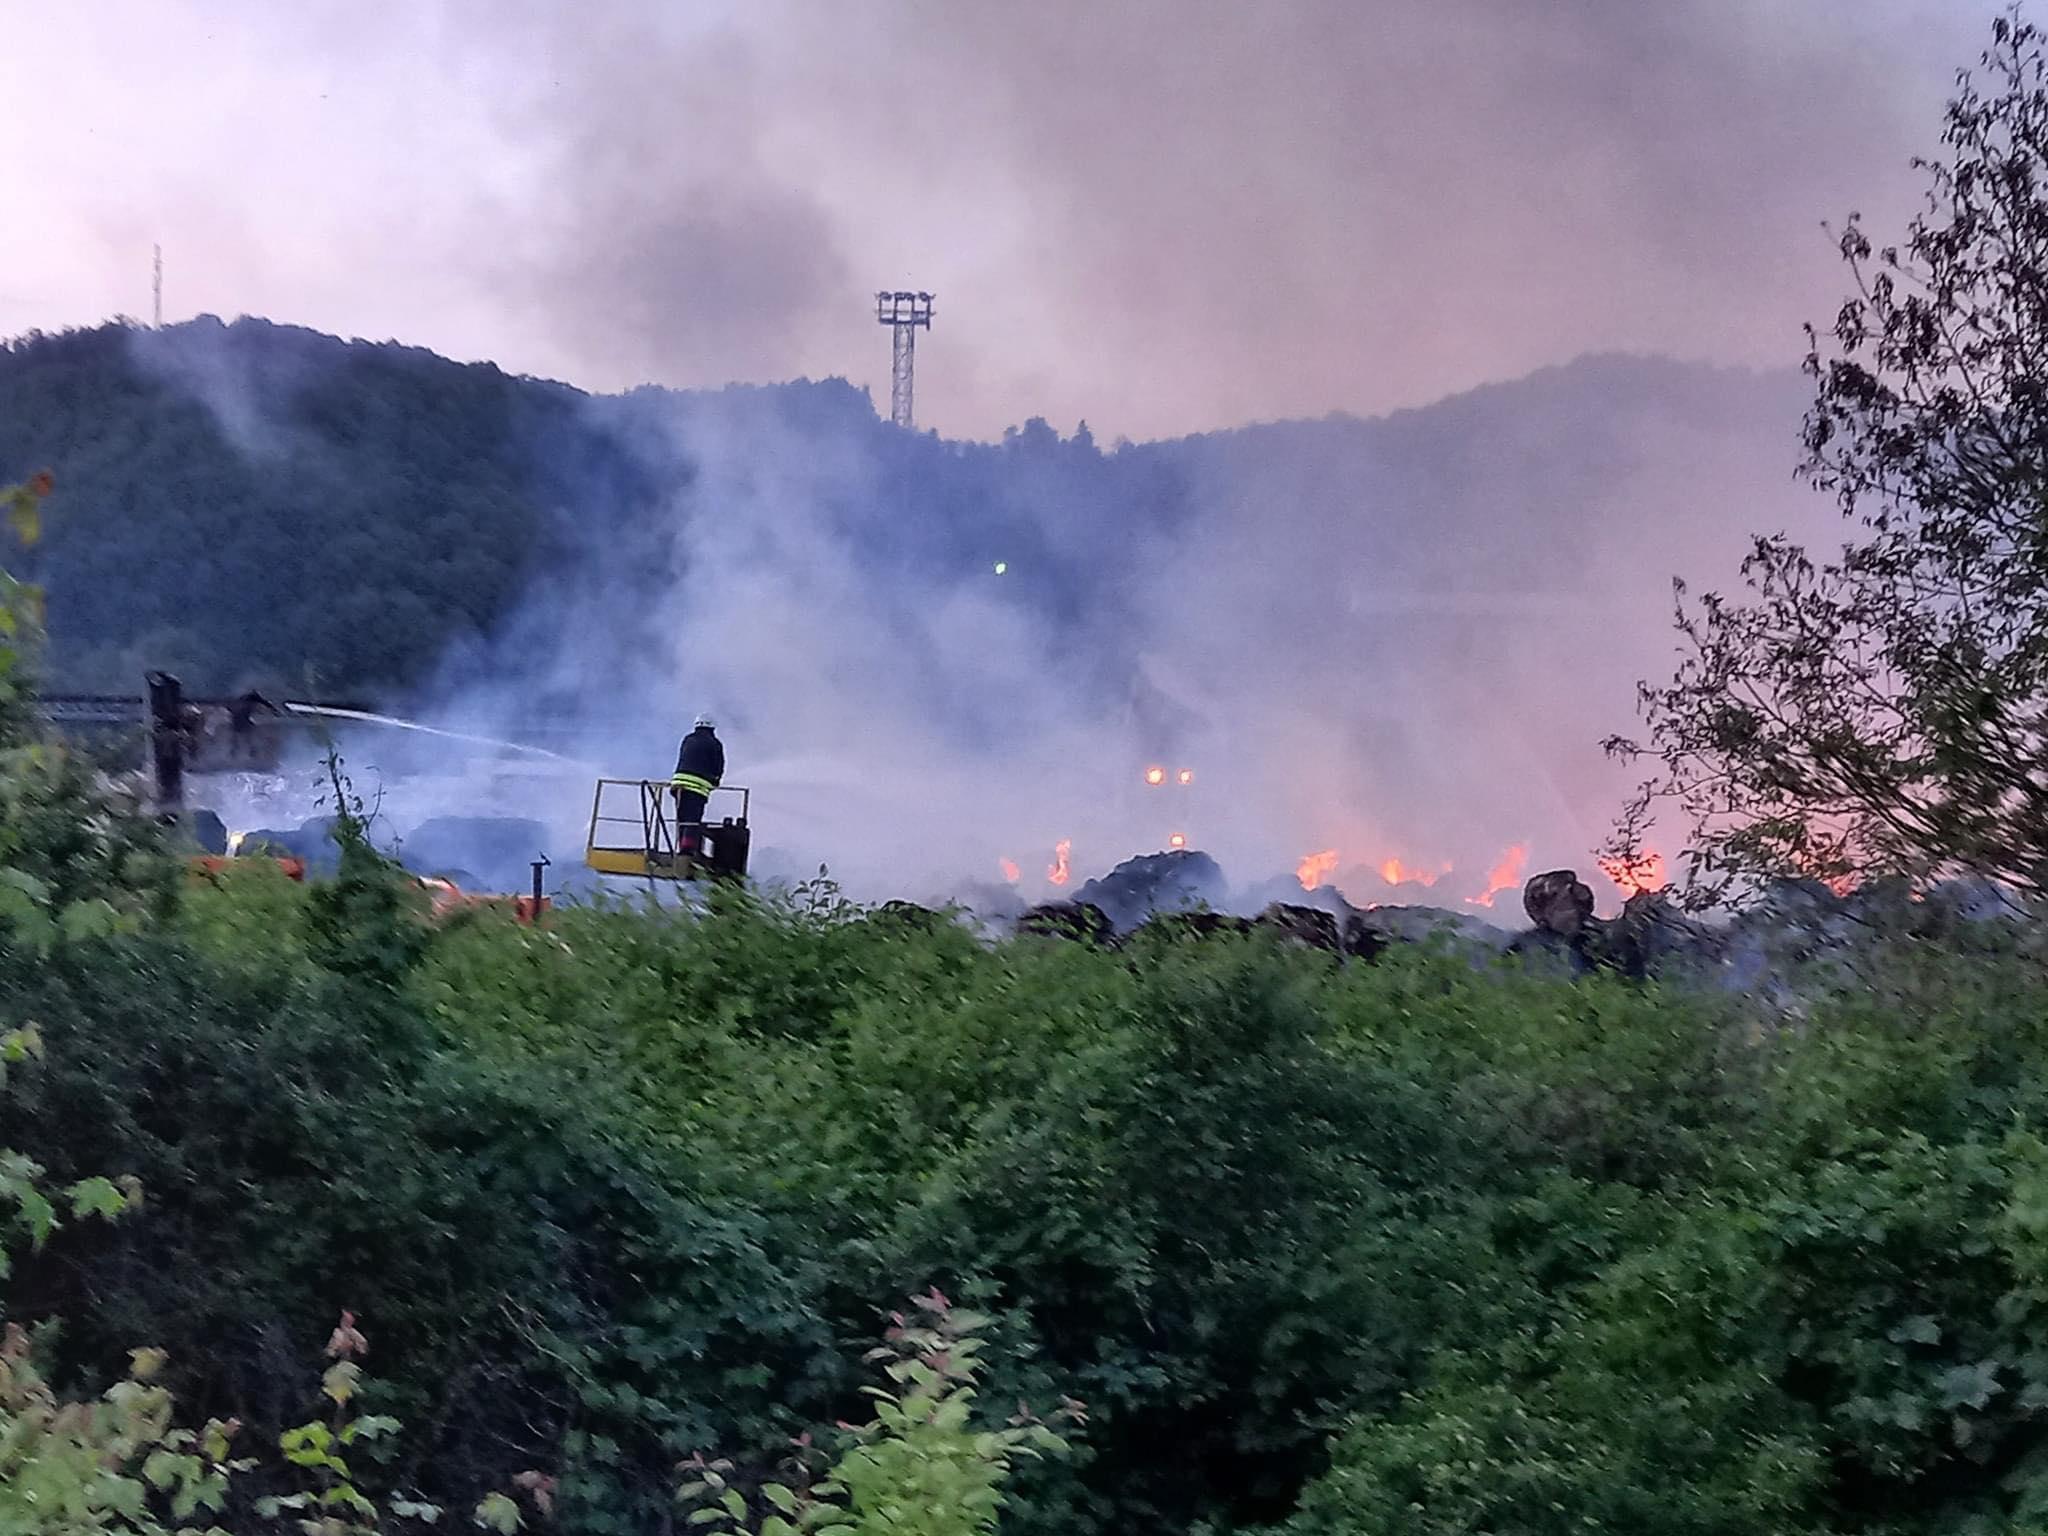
{"x": 1160, "y": 215}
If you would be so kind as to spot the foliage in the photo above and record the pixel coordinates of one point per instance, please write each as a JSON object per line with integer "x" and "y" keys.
{"x": 1401, "y": 1246}
{"x": 1410, "y": 1246}
{"x": 71, "y": 864}
{"x": 116, "y": 1464}
{"x": 918, "y": 1467}
{"x": 21, "y": 603}
{"x": 336, "y": 1503}
{"x": 217, "y": 478}
{"x": 1884, "y": 711}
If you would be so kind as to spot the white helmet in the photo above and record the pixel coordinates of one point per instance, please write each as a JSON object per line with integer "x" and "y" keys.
{"x": 702, "y": 723}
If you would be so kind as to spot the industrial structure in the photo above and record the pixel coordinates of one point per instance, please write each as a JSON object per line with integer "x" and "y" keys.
{"x": 904, "y": 314}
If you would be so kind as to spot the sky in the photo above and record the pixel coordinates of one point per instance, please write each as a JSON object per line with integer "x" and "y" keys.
{"x": 1160, "y": 216}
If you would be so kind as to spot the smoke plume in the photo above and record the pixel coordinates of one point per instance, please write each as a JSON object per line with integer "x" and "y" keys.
{"x": 1392, "y": 643}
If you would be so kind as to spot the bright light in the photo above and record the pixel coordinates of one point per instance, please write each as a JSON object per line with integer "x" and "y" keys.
{"x": 1178, "y": 840}
{"x": 1187, "y": 775}
{"x": 1002, "y": 566}
{"x": 1155, "y": 775}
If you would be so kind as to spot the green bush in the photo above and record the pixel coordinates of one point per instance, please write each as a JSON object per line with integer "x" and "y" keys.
{"x": 1401, "y": 1247}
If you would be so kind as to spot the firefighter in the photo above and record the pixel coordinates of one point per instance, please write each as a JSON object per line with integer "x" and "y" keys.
{"x": 700, "y": 764}
{"x": 242, "y": 725}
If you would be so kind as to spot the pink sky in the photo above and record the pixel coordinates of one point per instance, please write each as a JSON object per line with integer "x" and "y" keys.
{"x": 1160, "y": 215}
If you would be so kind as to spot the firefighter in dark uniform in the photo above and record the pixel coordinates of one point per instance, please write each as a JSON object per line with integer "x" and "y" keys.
{"x": 700, "y": 764}
{"x": 242, "y": 746}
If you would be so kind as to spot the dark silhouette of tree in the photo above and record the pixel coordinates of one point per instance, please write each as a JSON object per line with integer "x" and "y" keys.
{"x": 1886, "y": 710}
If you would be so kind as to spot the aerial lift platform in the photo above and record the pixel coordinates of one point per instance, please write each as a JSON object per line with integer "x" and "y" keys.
{"x": 633, "y": 832}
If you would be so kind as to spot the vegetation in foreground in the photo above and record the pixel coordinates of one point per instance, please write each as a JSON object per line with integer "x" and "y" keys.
{"x": 1404, "y": 1247}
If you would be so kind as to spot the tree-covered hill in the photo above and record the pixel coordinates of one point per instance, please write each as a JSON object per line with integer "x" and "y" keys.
{"x": 259, "y": 501}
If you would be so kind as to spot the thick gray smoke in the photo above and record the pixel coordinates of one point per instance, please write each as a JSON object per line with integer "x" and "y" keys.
{"x": 1396, "y": 643}
{"x": 1385, "y": 650}
{"x": 1161, "y": 214}
{"x": 844, "y": 691}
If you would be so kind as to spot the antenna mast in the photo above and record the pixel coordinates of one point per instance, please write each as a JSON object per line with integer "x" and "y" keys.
{"x": 903, "y": 313}
{"x": 158, "y": 288}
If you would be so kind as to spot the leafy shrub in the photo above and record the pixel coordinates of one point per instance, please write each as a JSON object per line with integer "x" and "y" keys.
{"x": 918, "y": 1467}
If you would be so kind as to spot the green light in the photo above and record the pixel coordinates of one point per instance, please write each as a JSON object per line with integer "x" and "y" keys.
{"x": 1002, "y": 566}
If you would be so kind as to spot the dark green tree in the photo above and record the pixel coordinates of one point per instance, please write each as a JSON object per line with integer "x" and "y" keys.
{"x": 1886, "y": 710}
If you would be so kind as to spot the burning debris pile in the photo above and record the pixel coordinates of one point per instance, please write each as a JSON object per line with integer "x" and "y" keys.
{"x": 1155, "y": 884}
{"x": 1797, "y": 932}
{"x": 1800, "y": 933}
{"x": 1184, "y": 892}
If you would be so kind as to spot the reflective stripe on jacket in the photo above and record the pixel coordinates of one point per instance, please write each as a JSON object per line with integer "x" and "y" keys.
{"x": 693, "y": 784}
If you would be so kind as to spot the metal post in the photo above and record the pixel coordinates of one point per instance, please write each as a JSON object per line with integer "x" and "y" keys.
{"x": 167, "y": 741}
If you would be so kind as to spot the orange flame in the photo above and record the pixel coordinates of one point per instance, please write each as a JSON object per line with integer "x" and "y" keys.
{"x": 1316, "y": 868}
{"x": 1058, "y": 872}
{"x": 1155, "y": 775}
{"x": 1504, "y": 876}
{"x": 1843, "y": 885}
{"x": 1643, "y": 872}
{"x": 1010, "y": 871}
{"x": 1394, "y": 872}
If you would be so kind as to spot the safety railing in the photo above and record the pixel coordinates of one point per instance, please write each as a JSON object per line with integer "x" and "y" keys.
{"x": 643, "y": 840}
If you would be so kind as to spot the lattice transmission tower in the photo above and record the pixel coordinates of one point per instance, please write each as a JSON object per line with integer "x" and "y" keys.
{"x": 156, "y": 289}
{"x": 903, "y": 313}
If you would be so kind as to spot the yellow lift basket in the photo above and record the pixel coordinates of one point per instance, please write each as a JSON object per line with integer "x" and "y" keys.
{"x": 633, "y": 832}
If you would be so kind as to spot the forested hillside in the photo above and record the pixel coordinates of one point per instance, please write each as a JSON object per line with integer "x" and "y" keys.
{"x": 256, "y": 501}
{"x": 261, "y": 501}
